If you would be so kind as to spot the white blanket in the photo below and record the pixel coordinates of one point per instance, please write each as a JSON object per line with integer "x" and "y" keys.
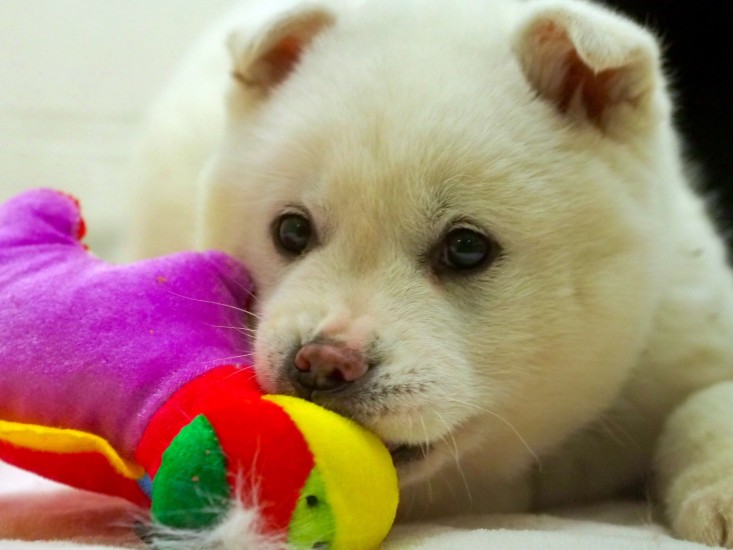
{"x": 35, "y": 509}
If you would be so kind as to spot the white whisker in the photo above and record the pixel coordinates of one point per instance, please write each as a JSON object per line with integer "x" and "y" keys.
{"x": 507, "y": 424}
{"x": 423, "y": 446}
{"x": 244, "y": 330}
{"x": 223, "y": 359}
{"x": 239, "y": 309}
{"x": 456, "y": 455}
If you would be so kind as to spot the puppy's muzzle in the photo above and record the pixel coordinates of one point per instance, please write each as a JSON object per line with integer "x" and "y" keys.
{"x": 325, "y": 367}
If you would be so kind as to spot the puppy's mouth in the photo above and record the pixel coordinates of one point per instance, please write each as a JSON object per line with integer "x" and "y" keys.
{"x": 404, "y": 454}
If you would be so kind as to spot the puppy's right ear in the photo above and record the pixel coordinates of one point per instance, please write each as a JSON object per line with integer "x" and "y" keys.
{"x": 593, "y": 65}
{"x": 268, "y": 48}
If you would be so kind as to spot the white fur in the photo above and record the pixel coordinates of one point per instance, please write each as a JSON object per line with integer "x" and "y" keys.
{"x": 549, "y": 377}
{"x": 241, "y": 529}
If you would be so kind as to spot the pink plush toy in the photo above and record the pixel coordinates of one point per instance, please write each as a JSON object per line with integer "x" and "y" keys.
{"x": 132, "y": 380}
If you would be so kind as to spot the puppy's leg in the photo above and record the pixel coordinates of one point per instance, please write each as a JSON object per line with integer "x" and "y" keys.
{"x": 695, "y": 466}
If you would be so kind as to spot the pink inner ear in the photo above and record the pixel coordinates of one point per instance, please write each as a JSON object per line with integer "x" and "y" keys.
{"x": 592, "y": 89}
{"x": 574, "y": 81}
{"x": 282, "y": 58}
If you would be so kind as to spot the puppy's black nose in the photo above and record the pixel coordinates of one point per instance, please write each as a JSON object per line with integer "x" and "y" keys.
{"x": 325, "y": 367}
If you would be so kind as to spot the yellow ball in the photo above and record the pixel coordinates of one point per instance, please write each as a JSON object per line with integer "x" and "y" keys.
{"x": 356, "y": 469}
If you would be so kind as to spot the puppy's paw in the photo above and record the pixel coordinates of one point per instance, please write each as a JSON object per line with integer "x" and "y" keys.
{"x": 706, "y": 515}
{"x": 694, "y": 466}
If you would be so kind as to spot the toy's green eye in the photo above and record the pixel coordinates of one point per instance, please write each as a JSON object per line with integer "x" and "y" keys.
{"x": 313, "y": 523}
{"x": 292, "y": 234}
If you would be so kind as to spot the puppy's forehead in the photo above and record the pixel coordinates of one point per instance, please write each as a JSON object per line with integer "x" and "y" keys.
{"x": 405, "y": 169}
{"x": 407, "y": 107}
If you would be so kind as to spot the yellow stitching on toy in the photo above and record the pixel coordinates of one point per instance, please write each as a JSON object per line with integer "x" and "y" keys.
{"x": 63, "y": 441}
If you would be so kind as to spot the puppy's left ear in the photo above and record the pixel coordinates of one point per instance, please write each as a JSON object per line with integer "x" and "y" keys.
{"x": 266, "y": 50}
{"x": 594, "y": 66}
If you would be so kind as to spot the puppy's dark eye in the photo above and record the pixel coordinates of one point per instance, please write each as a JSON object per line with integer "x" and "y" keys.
{"x": 292, "y": 233}
{"x": 466, "y": 250}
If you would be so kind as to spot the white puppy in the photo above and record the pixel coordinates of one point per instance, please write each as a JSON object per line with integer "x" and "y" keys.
{"x": 470, "y": 230}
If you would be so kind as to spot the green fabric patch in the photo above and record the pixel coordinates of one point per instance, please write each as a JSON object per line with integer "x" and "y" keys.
{"x": 190, "y": 490}
{"x": 313, "y": 524}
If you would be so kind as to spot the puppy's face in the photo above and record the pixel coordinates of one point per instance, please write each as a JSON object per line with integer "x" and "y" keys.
{"x": 470, "y": 261}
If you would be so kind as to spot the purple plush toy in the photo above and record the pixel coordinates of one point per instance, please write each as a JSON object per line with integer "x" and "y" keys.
{"x": 49, "y": 282}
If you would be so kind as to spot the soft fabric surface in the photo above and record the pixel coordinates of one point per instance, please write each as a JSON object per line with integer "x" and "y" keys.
{"x": 66, "y": 362}
{"x": 33, "y": 508}
{"x": 132, "y": 353}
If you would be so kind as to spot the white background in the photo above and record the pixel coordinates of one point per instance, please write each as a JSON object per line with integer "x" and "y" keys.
{"x": 75, "y": 79}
